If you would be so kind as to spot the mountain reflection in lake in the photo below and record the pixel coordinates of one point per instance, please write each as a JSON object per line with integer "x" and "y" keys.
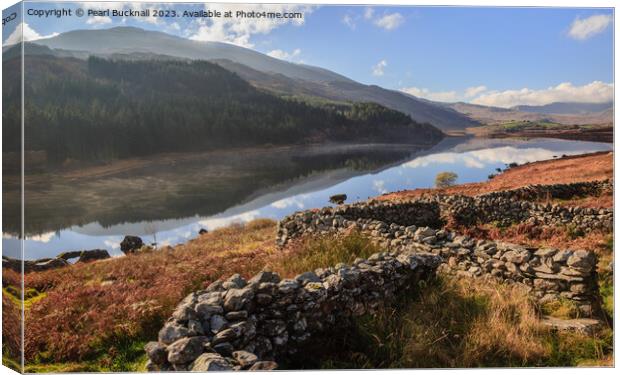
{"x": 170, "y": 200}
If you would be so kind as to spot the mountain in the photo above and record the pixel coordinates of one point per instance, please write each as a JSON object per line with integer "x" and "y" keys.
{"x": 105, "y": 109}
{"x": 309, "y": 80}
{"x": 132, "y": 39}
{"x": 565, "y": 108}
{"x": 497, "y": 115}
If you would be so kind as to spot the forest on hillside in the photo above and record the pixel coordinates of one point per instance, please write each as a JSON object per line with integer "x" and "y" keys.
{"x": 101, "y": 109}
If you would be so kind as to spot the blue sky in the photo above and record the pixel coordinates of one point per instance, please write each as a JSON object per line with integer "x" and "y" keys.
{"x": 493, "y": 56}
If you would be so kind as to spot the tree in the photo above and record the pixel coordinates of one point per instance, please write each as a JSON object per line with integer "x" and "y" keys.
{"x": 445, "y": 179}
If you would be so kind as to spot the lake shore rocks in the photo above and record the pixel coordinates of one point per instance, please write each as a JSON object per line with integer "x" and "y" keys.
{"x": 60, "y": 261}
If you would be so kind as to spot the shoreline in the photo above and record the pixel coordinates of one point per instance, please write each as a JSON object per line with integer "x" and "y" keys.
{"x": 603, "y": 134}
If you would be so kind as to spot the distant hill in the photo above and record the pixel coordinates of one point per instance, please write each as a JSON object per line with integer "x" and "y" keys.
{"x": 100, "y": 109}
{"x": 496, "y": 115}
{"x": 315, "y": 81}
{"x": 565, "y": 108}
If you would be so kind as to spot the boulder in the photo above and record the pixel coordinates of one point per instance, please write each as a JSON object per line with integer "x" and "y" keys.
{"x": 46, "y": 265}
{"x": 131, "y": 244}
{"x": 338, "y": 198}
{"x": 96, "y": 254}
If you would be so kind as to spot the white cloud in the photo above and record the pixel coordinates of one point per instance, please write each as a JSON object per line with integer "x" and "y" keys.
{"x": 98, "y": 20}
{"x": 379, "y": 186}
{"x": 594, "y": 92}
{"x": 440, "y": 96}
{"x": 481, "y": 158}
{"x": 349, "y": 21}
{"x": 283, "y": 55}
{"x": 379, "y": 69}
{"x": 471, "y": 92}
{"x": 585, "y": 28}
{"x": 368, "y": 13}
{"x": 390, "y": 21}
{"x": 239, "y": 31}
{"x": 45, "y": 237}
{"x": 219, "y": 222}
{"x": 288, "y": 202}
{"x": 29, "y": 35}
{"x": 112, "y": 244}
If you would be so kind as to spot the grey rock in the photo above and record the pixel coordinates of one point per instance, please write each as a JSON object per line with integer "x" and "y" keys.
{"x": 244, "y": 358}
{"x": 237, "y": 315}
{"x": 206, "y": 309}
{"x": 210, "y": 362}
{"x": 307, "y": 277}
{"x": 185, "y": 350}
{"x": 217, "y": 323}
{"x": 264, "y": 366}
{"x": 171, "y": 332}
{"x": 156, "y": 352}
{"x": 236, "y": 298}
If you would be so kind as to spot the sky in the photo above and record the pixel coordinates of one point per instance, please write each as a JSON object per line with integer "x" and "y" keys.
{"x": 491, "y": 56}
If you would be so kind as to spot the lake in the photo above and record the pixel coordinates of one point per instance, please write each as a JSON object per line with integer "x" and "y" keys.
{"x": 168, "y": 200}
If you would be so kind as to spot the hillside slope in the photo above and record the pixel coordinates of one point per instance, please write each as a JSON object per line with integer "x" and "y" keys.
{"x": 104, "y": 109}
{"x": 320, "y": 82}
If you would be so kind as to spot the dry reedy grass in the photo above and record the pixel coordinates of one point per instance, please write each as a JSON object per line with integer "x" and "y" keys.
{"x": 562, "y": 237}
{"x": 90, "y": 309}
{"x": 453, "y": 323}
{"x": 321, "y": 252}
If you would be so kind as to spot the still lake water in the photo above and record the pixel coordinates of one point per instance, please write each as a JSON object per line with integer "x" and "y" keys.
{"x": 313, "y": 174}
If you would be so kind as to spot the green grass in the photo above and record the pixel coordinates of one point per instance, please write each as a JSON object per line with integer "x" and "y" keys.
{"x": 606, "y": 278}
{"x": 11, "y": 363}
{"x": 127, "y": 356}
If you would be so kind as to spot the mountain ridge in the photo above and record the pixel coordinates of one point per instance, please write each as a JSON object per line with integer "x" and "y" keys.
{"x": 325, "y": 83}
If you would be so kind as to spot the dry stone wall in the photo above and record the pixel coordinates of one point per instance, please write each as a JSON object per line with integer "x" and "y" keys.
{"x": 550, "y": 274}
{"x": 243, "y": 324}
{"x": 503, "y": 208}
{"x": 239, "y": 324}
